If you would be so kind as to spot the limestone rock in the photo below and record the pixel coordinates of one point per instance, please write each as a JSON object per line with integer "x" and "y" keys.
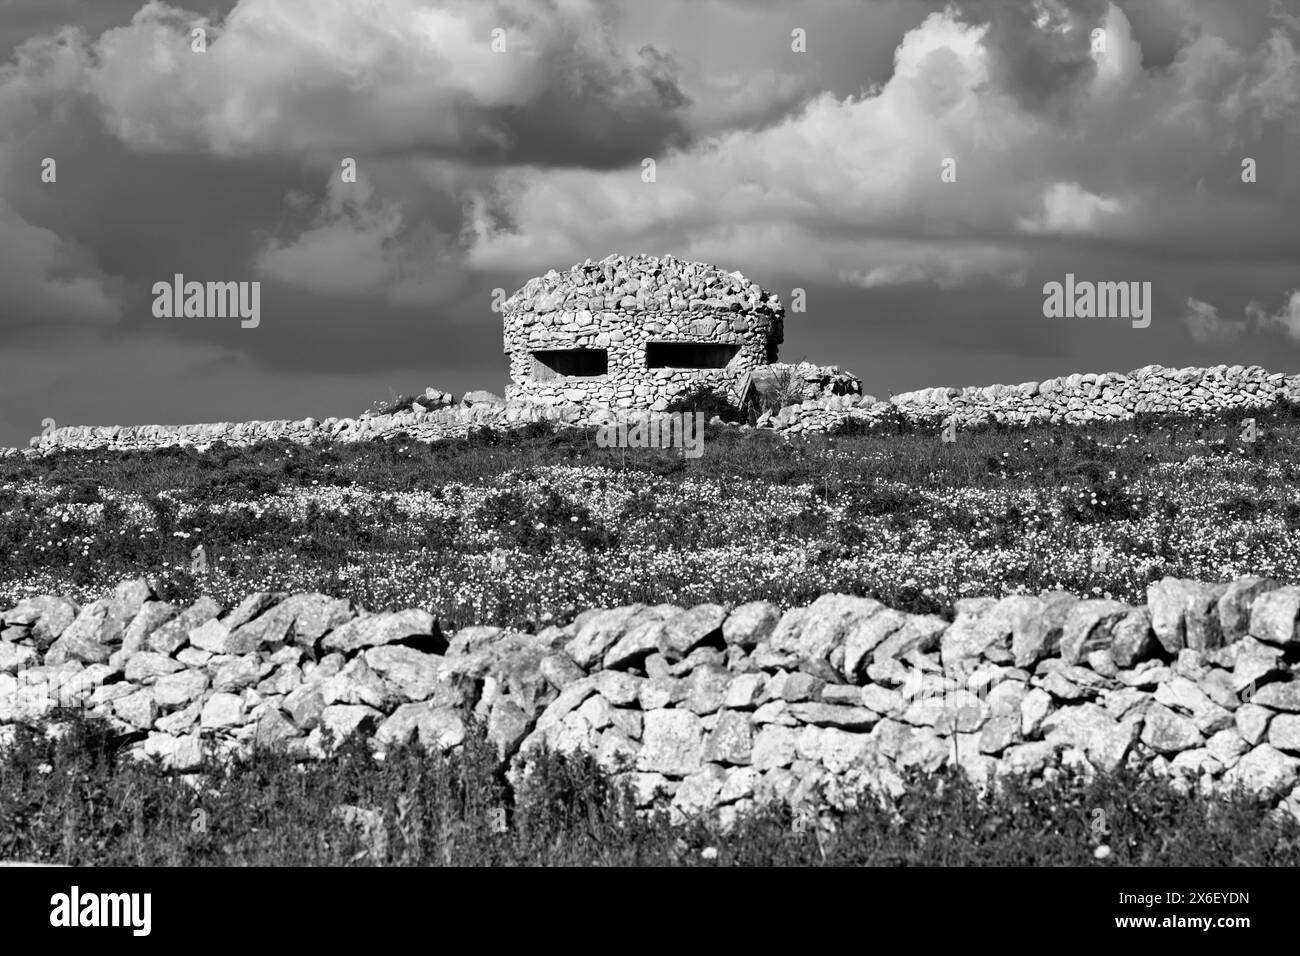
{"x": 833, "y": 715}
{"x": 683, "y": 632}
{"x": 1279, "y": 696}
{"x": 138, "y": 709}
{"x": 823, "y": 626}
{"x": 378, "y": 629}
{"x": 708, "y": 688}
{"x": 92, "y": 637}
{"x": 1265, "y": 770}
{"x": 249, "y": 608}
{"x": 1185, "y": 613}
{"x": 699, "y": 791}
{"x": 672, "y": 744}
{"x": 507, "y": 726}
{"x": 222, "y": 710}
{"x": 408, "y": 673}
{"x": 1105, "y": 740}
{"x": 180, "y": 688}
{"x": 731, "y": 740}
{"x": 1132, "y": 638}
{"x": 867, "y": 634}
{"x": 598, "y": 633}
{"x": 273, "y": 729}
{"x": 439, "y": 728}
{"x": 15, "y": 657}
{"x": 1235, "y": 605}
{"x": 750, "y": 624}
{"x": 1088, "y": 627}
{"x": 52, "y": 616}
{"x": 1166, "y": 732}
{"x": 344, "y": 720}
{"x": 145, "y": 667}
{"x": 151, "y": 616}
{"x": 920, "y": 632}
{"x": 1284, "y": 733}
{"x": 980, "y": 623}
{"x": 1273, "y": 616}
{"x": 774, "y": 746}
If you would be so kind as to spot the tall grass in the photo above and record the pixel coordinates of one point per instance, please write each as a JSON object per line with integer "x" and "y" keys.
{"x": 78, "y": 799}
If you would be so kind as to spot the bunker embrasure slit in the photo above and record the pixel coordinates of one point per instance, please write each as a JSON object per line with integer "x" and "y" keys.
{"x": 689, "y": 354}
{"x": 549, "y": 364}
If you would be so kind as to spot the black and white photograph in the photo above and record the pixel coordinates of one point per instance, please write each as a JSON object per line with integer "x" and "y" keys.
{"x": 656, "y": 434}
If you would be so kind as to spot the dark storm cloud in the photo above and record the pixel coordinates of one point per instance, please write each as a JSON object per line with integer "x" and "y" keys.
{"x": 587, "y": 115}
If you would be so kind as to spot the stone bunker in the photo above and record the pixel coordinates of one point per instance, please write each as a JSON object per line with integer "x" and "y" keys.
{"x": 634, "y": 332}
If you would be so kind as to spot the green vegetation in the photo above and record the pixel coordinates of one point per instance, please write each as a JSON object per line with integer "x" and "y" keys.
{"x": 77, "y": 800}
{"x": 530, "y": 526}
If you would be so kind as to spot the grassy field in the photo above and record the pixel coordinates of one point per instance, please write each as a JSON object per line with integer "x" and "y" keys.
{"x": 75, "y": 800}
{"x": 529, "y": 527}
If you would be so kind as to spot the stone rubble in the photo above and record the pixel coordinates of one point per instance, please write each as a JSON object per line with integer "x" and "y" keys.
{"x": 709, "y": 709}
{"x": 1076, "y": 399}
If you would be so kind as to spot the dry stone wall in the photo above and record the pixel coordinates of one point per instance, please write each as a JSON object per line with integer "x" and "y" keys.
{"x": 1075, "y": 399}
{"x": 708, "y": 709}
{"x": 419, "y": 423}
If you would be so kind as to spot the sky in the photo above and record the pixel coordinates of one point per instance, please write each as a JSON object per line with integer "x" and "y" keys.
{"x": 919, "y": 169}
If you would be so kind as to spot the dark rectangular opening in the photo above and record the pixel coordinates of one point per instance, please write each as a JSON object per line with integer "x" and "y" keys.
{"x": 565, "y": 363}
{"x": 689, "y": 354}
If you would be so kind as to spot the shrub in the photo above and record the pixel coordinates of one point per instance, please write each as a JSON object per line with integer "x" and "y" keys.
{"x": 786, "y": 390}
{"x": 708, "y": 400}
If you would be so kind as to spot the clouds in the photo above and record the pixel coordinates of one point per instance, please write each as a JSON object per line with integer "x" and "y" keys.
{"x": 849, "y": 189}
{"x": 357, "y": 243}
{"x": 346, "y": 250}
{"x": 1068, "y": 208}
{"x": 515, "y": 81}
{"x": 479, "y": 168}
{"x": 50, "y": 280}
{"x": 1205, "y": 325}
{"x": 353, "y": 78}
{"x": 802, "y": 195}
{"x": 542, "y": 140}
{"x": 45, "y": 277}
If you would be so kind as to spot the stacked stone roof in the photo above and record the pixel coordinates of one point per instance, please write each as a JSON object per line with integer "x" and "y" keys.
{"x": 644, "y": 283}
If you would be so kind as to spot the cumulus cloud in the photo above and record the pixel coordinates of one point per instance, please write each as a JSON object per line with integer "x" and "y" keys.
{"x": 803, "y": 195}
{"x": 1068, "y": 208}
{"x": 1286, "y": 319}
{"x": 402, "y": 75}
{"x": 1205, "y": 325}
{"x": 358, "y": 243}
{"x": 846, "y": 189}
